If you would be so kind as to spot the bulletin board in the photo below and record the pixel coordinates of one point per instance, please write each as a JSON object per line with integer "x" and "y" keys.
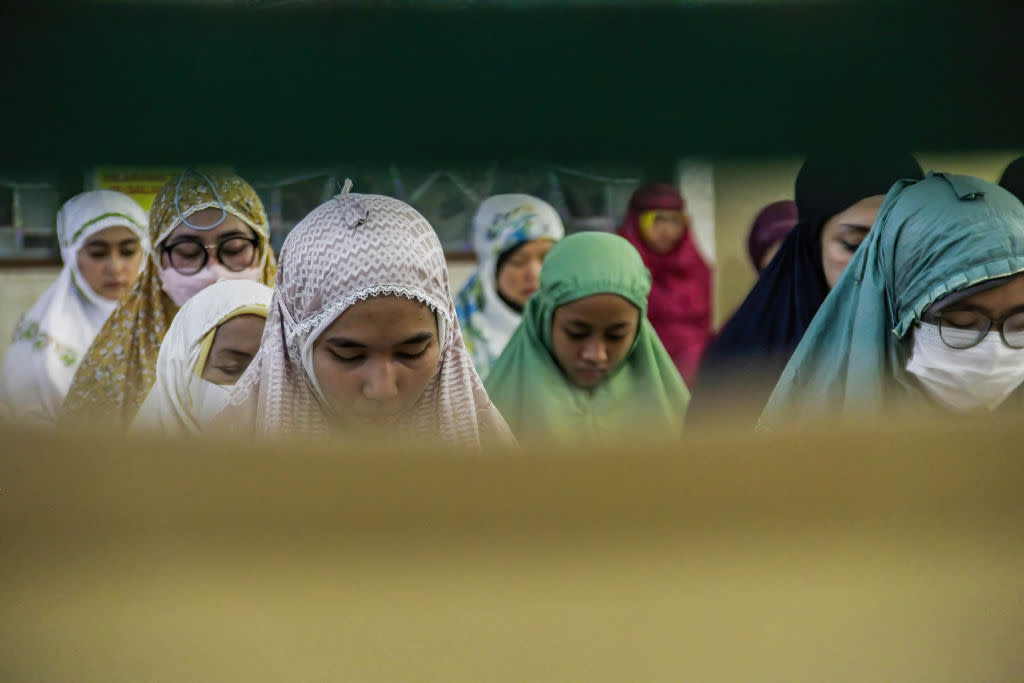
{"x": 139, "y": 183}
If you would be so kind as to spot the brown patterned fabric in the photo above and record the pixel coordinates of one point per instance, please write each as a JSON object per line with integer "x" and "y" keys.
{"x": 119, "y": 368}
{"x": 348, "y": 249}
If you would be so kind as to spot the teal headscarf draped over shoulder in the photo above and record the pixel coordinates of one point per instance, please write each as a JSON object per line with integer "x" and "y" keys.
{"x": 932, "y": 237}
{"x": 644, "y": 394}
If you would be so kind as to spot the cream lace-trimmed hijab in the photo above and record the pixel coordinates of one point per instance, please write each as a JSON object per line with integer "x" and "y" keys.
{"x": 351, "y": 248}
{"x": 172, "y": 406}
{"x": 348, "y": 249}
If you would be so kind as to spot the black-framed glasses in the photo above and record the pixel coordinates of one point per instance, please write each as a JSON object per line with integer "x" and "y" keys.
{"x": 189, "y": 255}
{"x": 962, "y": 329}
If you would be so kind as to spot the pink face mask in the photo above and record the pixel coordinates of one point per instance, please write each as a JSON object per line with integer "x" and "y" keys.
{"x": 181, "y": 288}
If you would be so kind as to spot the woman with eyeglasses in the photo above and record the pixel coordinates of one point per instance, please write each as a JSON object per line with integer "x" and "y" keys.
{"x": 838, "y": 196}
{"x": 204, "y": 227}
{"x": 930, "y": 311}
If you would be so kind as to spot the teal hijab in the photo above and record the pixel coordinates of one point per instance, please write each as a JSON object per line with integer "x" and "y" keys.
{"x": 644, "y": 394}
{"x": 932, "y": 237}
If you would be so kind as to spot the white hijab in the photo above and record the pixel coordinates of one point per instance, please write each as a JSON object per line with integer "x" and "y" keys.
{"x": 501, "y": 222}
{"x": 348, "y": 249}
{"x": 52, "y": 338}
{"x": 181, "y": 401}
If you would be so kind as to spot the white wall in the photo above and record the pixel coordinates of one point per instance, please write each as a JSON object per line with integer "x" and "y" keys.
{"x": 459, "y": 273}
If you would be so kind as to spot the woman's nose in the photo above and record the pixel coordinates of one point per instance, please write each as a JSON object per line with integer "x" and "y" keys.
{"x": 380, "y": 381}
{"x": 533, "y": 273}
{"x": 594, "y": 351}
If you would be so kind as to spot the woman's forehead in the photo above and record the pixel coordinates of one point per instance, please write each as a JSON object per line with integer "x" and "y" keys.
{"x": 231, "y": 223}
{"x": 995, "y": 301}
{"x": 601, "y": 308}
{"x": 242, "y": 329}
{"x": 382, "y": 319}
{"x": 115, "y": 233}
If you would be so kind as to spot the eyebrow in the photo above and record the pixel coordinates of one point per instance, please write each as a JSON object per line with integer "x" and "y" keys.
{"x": 974, "y": 308}
{"x": 198, "y": 237}
{"x": 417, "y": 339}
{"x": 346, "y": 343}
{"x": 233, "y": 233}
{"x": 236, "y": 353}
{"x": 856, "y": 226}
{"x": 954, "y": 308}
{"x": 588, "y": 326}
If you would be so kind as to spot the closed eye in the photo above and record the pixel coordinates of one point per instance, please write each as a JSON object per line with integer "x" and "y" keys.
{"x": 414, "y": 355}
{"x": 233, "y": 370}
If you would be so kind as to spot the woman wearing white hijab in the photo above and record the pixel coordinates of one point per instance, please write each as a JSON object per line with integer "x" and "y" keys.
{"x": 208, "y": 346}
{"x": 103, "y": 240}
{"x": 362, "y": 337}
{"x": 512, "y": 233}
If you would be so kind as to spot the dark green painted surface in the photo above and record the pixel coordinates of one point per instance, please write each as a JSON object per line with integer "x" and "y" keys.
{"x": 133, "y": 84}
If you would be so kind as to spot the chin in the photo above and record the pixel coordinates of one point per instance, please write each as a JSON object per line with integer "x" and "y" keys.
{"x": 382, "y": 418}
{"x": 585, "y": 383}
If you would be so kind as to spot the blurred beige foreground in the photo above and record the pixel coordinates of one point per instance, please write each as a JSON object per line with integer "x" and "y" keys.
{"x": 865, "y": 556}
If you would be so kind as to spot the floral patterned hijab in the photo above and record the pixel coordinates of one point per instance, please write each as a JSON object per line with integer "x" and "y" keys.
{"x": 119, "y": 368}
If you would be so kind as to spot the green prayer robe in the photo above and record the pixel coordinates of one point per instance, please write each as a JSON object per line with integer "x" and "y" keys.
{"x": 643, "y": 396}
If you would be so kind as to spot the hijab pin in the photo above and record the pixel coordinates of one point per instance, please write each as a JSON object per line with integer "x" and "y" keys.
{"x": 965, "y": 188}
{"x": 354, "y": 212}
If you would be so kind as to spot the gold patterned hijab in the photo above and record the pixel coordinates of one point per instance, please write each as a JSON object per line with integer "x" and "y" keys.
{"x": 119, "y": 368}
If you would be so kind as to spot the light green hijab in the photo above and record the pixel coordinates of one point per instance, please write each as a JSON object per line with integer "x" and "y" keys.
{"x": 932, "y": 237}
{"x": 644, "y": 395}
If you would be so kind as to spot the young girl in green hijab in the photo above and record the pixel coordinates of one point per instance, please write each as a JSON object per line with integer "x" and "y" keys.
{"x": 930, "y": 311}
{"x": 585, "y": 363}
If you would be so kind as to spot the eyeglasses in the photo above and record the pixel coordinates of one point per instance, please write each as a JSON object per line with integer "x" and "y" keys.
{"x": 188, "y": 255}
{"x": 966, "y": 328}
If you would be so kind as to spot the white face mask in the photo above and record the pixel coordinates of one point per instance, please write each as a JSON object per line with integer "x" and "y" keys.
{"x": 208, "y": 399}
{"x": 966, "y": 380}
{"x": 181, "y": 288}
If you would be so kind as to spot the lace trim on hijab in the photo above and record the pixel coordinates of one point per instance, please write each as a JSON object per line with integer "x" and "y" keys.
{"x": 302, "y": 330}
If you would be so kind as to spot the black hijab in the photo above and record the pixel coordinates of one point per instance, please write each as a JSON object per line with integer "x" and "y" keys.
{"x": 1013, "y": 178}
{"x": 755, "y": 345}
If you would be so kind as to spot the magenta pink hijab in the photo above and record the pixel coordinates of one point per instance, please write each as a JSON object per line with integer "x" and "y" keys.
{"x": 679, "y": 306}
